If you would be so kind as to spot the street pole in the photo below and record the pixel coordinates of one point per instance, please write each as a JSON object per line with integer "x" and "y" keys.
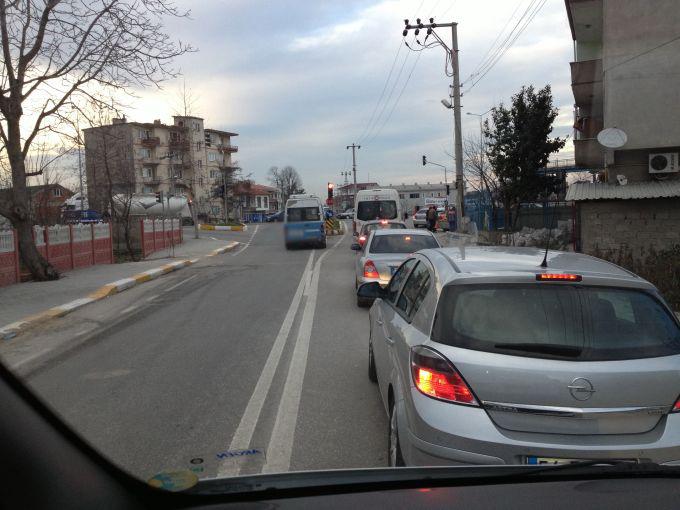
{"x": 354, "y": 170}
{"x": 224, "y": 192}
{"x": 457, "y": 137}
{"x": 80, "y": 173}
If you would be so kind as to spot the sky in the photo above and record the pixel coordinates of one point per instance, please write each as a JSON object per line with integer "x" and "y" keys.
{"x": 301, "y": 80}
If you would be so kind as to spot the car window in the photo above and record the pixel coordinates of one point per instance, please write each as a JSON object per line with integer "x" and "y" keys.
{"x": 398, "y": 279}
{"x": 377, "y": 209}
{"x": 402, "y": 243}
{"x": 415, "y": 290}
{"x": 369, "y": 227}
{"x": 543, "y": 320}
{"x": 303, "y": 214}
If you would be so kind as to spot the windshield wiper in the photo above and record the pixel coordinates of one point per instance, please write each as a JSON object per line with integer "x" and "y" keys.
{"x": 604, "y": 467}
{"x": 555, "y": 349}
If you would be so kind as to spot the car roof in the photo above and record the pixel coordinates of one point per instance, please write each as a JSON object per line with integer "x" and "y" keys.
{"x": 508, "y": 261}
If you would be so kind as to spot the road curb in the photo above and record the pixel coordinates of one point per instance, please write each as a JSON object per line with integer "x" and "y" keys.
{"x": 12, "y": 330}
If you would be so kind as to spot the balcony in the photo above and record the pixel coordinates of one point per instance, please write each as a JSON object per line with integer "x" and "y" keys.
{"x": 588, "y": 153}
{"x": 178, "y": 144}
{"x": 150, "y": 142}
{"x": 586, "y": 82}
{"x": 227, "y": 148}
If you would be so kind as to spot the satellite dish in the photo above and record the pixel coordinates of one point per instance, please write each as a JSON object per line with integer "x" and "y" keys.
{"x": 612, "y": 138}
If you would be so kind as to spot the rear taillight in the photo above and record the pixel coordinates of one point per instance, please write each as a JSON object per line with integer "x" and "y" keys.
{"x": 370, "y": 270}
{"x": 436, "y": 377}
{"x": 558, "y": 277}
{"x": 362, "y": 239}
{"x": 676, "y": 406}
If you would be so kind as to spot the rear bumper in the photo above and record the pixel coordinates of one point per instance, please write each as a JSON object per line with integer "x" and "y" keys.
{"x": 383, "y": 282}
{"x": 435, "y": 433}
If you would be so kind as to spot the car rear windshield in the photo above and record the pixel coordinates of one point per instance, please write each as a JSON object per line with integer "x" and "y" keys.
{"x": 303, "y": 214}
{"x": 377, "y": 210}
{"x": 389, "y": 226}
{"x": 556, "y": 321}
{"x": 402, "y": 243}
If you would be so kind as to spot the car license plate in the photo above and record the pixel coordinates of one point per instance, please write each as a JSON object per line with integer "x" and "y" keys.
{"x": 295, "y": 234}
{"x": 549, "y": 461}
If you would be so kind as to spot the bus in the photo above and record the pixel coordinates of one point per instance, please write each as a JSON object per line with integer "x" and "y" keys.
{"x": 304, "y": 221}
{"x": 376, "y": 204}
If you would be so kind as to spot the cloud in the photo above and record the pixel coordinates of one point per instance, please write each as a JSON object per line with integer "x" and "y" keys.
{"x": 327, "y": 36}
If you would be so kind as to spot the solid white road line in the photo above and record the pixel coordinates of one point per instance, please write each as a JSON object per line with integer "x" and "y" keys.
{"x": 245, "y": 246}
{"x": 280, "y": 449}
{"x": 128, "y": 309}
{"x": 251, "y": 415}
{"x": 173, "y": 287}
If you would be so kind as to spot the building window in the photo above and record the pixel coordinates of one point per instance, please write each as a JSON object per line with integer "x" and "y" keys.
{"x": 212, "y": 156}
{"x": 214, "y": 174}
{"x": 215, "y": 210}
{"x": 147, "y": 189}
{"x": 196, "y": 126}
{"x": 57, "y": 192}
{"x": 414, "y": 195}
{"x": 259, "y": 202}
{"x": 439, "y": 194}
{"x": 208, "y": 140}
{"x": 199, "y": 146}
{"x": 199, "y": 164}
{"x": 265, "y": 203}
{"x": 174, "y": 136}
{"x": 147, "y": 172}
{"x": 200, "y": 181}
{"x": 144, "y": 134}
{"x": 402, "y": 196}
{"x": 144, "y": 153}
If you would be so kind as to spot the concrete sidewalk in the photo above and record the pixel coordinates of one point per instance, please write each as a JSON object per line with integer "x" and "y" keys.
{"x": 23, "y": 299}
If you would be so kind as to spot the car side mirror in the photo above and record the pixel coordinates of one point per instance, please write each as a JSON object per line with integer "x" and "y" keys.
{"x": 356, "y": 247}
{"x": 371, "y": 290}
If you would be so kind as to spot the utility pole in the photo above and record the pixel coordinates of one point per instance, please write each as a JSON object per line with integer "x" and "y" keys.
{"x": 354, "y": 170}
{"x": 457, "y": 137}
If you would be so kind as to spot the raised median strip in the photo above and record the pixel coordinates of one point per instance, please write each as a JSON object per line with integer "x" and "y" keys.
{"x": 232, "y": 228}
{"x": 11, "y": 330}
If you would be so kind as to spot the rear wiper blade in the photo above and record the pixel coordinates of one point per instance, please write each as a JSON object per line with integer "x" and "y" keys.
{"x": 556, "y": 349}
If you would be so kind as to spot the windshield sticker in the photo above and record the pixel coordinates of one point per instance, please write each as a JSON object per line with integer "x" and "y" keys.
{"x": 174, "y": 481}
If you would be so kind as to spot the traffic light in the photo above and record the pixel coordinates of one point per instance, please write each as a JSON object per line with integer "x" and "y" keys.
{"x": 159, "y": 197}
{"x": 448, "y": 190}
{"x": 424, "y": 160}
{"x": 330, "y": 190}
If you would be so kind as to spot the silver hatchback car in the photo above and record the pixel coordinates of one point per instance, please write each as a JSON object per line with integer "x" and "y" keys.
{"x": 482, "y": 356}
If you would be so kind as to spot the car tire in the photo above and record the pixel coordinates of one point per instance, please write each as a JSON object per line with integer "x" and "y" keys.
{"x": 372, "y": 374}
{"x": 363, "y": 302}
{"x": 394, "y": 456}
{"x": 323, "y": 244}
{"x": 288, "y": 246}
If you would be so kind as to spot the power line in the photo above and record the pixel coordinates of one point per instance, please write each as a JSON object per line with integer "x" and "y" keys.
{"x": 504, "y": 44}
{"x": 642, "y": 53}
{"x": 509, "y": 45}
{"x": 394, "y": 106}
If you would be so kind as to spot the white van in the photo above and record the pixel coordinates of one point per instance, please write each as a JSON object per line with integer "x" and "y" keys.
{"x": 380, "y": 204}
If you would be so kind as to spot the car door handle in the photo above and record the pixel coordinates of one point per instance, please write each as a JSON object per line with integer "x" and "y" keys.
{"x": 389, "y": 339}
{"x": 379, "y": 322}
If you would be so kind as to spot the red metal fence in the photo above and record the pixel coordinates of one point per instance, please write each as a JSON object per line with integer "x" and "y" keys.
{"x": 158, "y": 235}
{"x": 66, "y": 247}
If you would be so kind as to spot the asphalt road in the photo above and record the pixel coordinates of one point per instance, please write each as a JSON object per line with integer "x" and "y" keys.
{"x": 251, "y": 361}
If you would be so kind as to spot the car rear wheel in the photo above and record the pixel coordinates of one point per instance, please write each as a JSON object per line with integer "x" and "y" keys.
{"x": 394, "y": 457}
{"x": 372, "y": 374}
{"x": 322, "y": 244}
{"x": 363, "y": 302}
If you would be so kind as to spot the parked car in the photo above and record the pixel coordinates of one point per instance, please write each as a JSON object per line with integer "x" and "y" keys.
{"x": 383, "y": 253}
{"x": 348, "y": 214}
{"x": 370, "y": 226}
{"x": 483, "y": 356}
{"x": 277, "y": 216}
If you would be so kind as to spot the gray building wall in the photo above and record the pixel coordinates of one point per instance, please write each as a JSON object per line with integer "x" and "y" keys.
{"x": 609, "y": 225}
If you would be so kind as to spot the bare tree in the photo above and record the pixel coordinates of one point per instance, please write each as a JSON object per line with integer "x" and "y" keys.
{"x": 287, "y": 180}
{"x": 478, "y": 173}
{"x": 56, "y": 56}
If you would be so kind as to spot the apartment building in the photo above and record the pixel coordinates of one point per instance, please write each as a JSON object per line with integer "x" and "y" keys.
{"x": 182, "y": 158}
{"x": 626, "y": 62}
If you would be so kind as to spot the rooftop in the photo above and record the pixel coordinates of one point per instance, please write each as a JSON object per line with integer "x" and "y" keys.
{"x": 579, "y": 191}
{"x": 219, "y": 132}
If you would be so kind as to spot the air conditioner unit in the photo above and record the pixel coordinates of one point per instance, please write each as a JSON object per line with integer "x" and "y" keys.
{"x": 663, "y": 163}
